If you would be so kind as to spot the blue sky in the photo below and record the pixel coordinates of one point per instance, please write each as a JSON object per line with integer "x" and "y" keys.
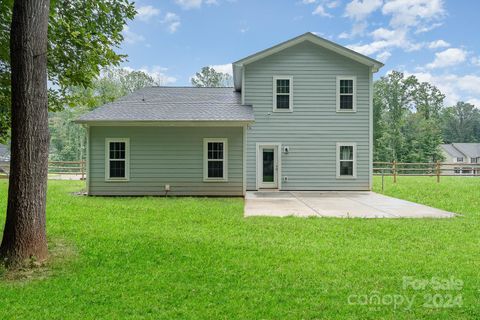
{"x": 436, "y": 40}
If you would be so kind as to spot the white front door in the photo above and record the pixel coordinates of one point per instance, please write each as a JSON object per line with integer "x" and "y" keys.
{"x": 268, "y": 166}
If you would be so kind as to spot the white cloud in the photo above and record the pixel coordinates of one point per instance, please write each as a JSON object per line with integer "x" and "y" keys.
{"x": 359, "y": 10}
{"x": 385, "y": 39}
{"x": 158, "y": 73}
{"x": 428, "y": 27}
{"x": 448, "y": 58}
{"x": 189, "y": 4}
{"x": 333, "y": 4}
{"x": 475, "y": 61}
{"x": 407, "y": 17}
{"x": 223, "y": 68}
{"x": 413, "y": 13}
{"x": 455, "y": 87}
{"x": 383, "y": 56}
{"x": 145, "y": 13}
{"x": 474, "y": 101}
{"x": 438, "y": 44}
{"x": 320, "y": 11}
{"x": 358, "y": 28}
{"x": 131, "y": 37}
{"x": 308, "y": 1}
{"x": 172, "y": 21}
{"x": 195, "y": 4}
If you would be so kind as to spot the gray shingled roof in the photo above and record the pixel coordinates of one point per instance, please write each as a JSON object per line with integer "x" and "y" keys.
{"x": 174, "y": 104}
{"x": 472, "y": 150}
{"x": 448, "y": 148}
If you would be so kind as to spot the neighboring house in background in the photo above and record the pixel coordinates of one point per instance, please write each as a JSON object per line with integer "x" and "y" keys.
{"x": 298, "y": 118}
{"x": 4, "y": 159}
{"x": 4, "y": 153}
{"x": 463, "y": 154}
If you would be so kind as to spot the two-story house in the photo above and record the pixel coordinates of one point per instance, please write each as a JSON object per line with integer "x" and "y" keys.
{"x": 298, "y": 118}
{"x": 466, "y": 155}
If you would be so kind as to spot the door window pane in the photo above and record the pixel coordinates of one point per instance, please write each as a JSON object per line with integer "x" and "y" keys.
{"x": 268, "y": 165}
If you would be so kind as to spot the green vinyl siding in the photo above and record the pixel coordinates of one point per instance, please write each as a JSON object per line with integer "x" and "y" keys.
{"x": 165, "y": 155}
{"x": 314, "y": 127}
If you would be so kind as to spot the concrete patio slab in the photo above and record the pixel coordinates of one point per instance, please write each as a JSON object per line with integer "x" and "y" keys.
{"x": 341, "y": 204}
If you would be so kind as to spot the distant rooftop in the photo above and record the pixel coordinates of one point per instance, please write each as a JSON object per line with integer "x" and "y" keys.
{"x": 471, "y": 150}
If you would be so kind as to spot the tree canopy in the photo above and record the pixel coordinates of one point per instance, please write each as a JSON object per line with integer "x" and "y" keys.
{"x": 407, "y": 124}
{"x": 461, "y": 123}
{"x": 82, "y": 38}
{"x": 209, "y": 77}
{"x": 68, "y": 139}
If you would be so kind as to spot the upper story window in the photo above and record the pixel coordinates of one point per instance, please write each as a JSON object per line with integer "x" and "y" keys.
{"x": 215, "y": 159}
{"x": 346, "y": 94}
{"x": 117, "y": 159}
{"x": 460, "y": 159}
{"x": 282, "y": 94}
{"x": 346, "y": 160}
{"x": 474, "y": 160}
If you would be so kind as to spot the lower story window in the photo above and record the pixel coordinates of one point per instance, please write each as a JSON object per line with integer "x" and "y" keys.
{"x": 215, "y": 159}
{"x": 117, "y": 159}
{"x": 346, "y": 160}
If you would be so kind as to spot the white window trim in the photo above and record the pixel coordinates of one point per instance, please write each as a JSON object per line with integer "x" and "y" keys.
{"x": 351, "y": 144}
{"x": 354, "y": 106}
{"x": 127, "y": 159}
{"x": 274, "y": 91}
{"x": 205, "y": 159}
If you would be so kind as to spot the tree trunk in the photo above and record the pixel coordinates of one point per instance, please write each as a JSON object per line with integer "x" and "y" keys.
{"x": 24, "y": 235}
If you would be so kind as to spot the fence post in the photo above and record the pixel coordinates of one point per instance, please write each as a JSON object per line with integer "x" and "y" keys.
{"x": 394, "y": 169}
{"x": 82, "y": 169}
{"x": 438, "y": 171}
{"x": 383, "y": 174}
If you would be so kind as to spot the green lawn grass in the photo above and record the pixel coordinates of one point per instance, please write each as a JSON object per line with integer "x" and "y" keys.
{"x": 198, "y": 258}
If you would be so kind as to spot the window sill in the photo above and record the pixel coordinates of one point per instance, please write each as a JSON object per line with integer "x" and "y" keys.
{"x": 214, "y": 180}
{"x": 346, "y": 177}
{"x": 282, "y": 110}
{"x": 117, "y": 180}
{"x": 346, "y": 111}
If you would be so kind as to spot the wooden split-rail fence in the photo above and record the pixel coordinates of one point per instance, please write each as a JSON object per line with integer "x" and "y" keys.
{"x": 426, "y": 169}
{"x": 68, "y": 170}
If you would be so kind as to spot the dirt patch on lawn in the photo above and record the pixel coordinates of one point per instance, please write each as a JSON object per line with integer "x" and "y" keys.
{"x": 60, "y": 254}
